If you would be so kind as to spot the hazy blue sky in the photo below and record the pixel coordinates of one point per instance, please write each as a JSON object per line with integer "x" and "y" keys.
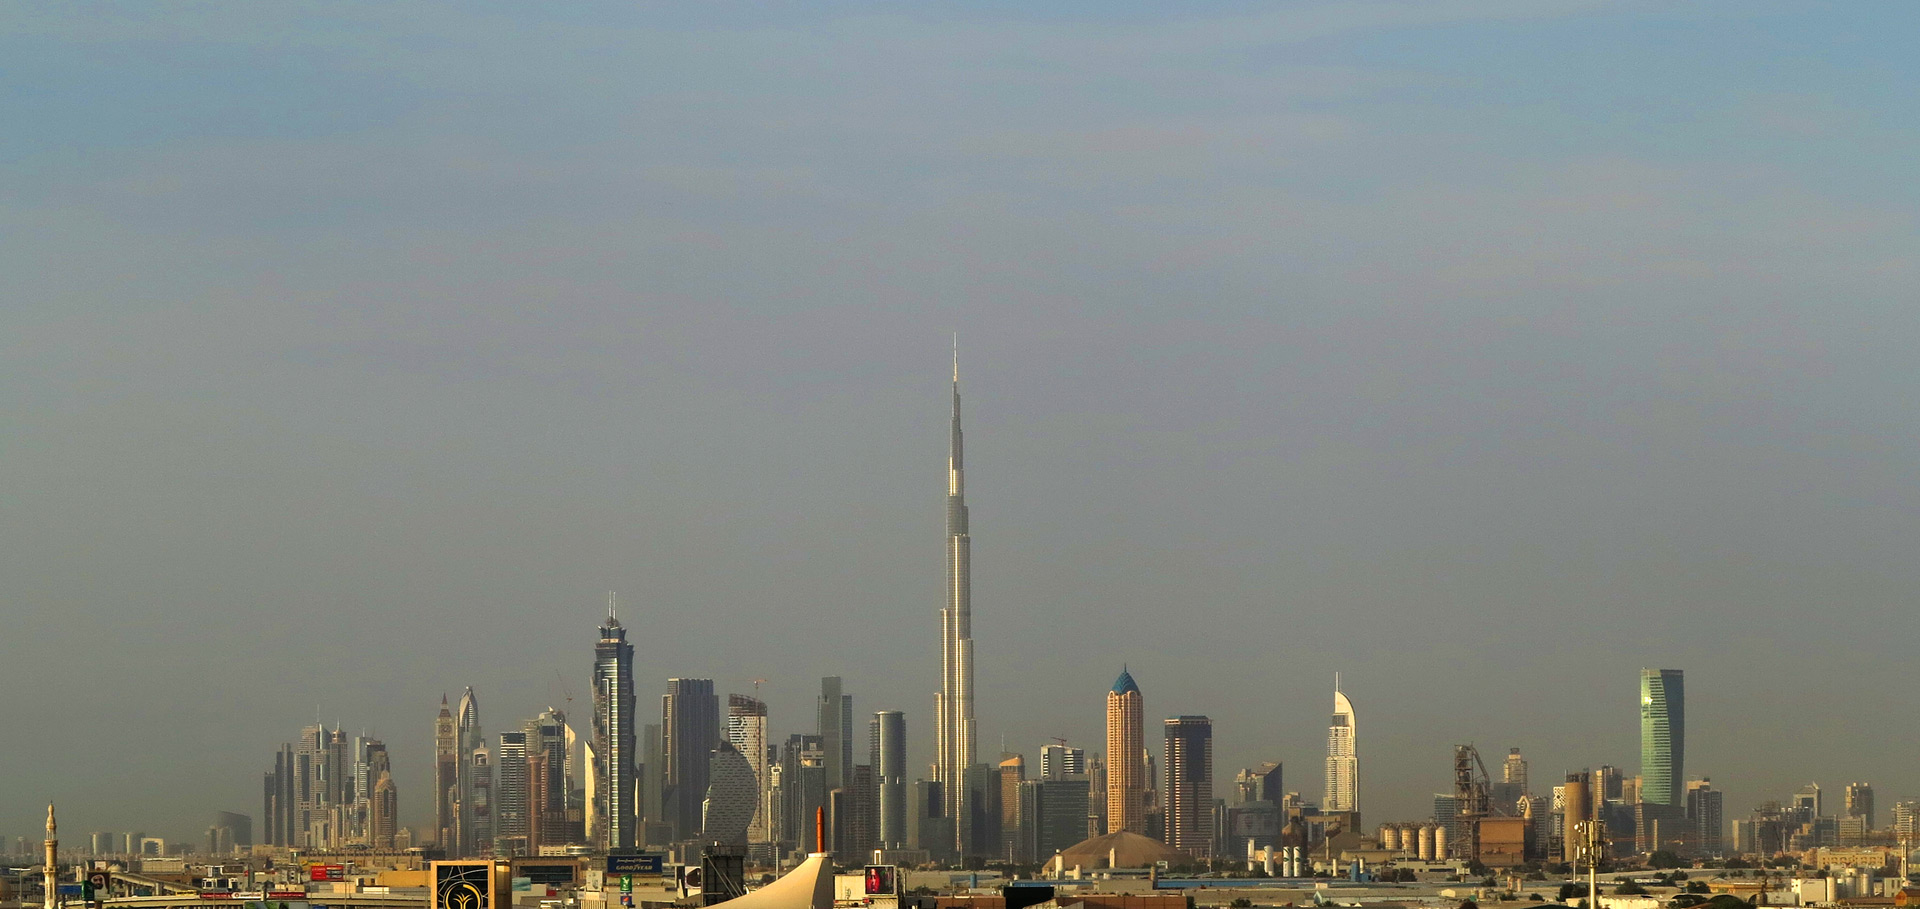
{"x": 1484, "y": 352}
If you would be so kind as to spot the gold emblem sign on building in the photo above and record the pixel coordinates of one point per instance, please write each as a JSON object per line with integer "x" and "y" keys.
{"x": 466, "y": 885}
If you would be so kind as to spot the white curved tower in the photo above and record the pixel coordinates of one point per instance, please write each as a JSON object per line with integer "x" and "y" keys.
{"x": 1343, "y": 760}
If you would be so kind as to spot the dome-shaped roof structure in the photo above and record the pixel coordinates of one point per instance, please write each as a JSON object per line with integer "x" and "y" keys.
{"x": 1120, "y": 850}
{"x": 1124, "y": 684}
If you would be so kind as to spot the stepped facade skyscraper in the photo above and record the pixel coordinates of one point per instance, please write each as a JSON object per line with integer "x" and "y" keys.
{"x": 1343, "y": 756}
{"x": 616, "y": 810}
{"x": 953, "y": 707}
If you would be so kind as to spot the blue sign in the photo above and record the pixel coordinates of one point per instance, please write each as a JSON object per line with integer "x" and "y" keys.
{"x": 653, "y": 863}
{"x": 68, "y": 889}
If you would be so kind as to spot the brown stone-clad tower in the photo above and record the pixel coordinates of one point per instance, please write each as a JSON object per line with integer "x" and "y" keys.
{"x": 1126, "y": 772}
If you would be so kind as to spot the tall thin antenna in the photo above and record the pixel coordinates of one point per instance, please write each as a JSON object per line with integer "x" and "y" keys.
{"x": 611, "y": 612}
{"x": 956, "y": 358}
{"x": 1336, "y": 680}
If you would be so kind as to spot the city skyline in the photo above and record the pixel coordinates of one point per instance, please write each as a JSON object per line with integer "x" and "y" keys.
{"x": 1429, "y": 342}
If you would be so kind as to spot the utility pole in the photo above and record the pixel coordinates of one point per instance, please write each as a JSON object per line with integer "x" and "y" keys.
{"x": 1590, "y": 848}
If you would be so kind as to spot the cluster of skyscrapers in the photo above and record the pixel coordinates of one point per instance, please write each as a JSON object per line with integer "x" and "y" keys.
{"x": 327, "y": 791}
{"x": 707, "y": 773}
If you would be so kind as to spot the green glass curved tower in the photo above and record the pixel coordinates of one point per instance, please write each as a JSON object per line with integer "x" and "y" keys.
{"x": 1663, "y": 736}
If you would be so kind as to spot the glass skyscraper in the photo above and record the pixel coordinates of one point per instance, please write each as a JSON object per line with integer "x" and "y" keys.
{"x": 614, "y": 705}
{"x": 1663, "y": 737}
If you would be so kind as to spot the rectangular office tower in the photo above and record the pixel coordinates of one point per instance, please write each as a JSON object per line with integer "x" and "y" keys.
{"x": 1663, "y": 737}
{"x": 690, "y": 726}
{"x": 1189, "y": 787}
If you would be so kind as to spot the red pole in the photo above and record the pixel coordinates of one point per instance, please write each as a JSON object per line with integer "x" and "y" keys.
{"x": 820, "y": 829}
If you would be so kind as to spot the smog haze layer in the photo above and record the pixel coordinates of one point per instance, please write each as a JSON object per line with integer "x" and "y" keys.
{"x": 1482, "y": 352}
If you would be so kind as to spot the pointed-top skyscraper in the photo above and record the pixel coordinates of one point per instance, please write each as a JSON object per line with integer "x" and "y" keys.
{"x": 953, "y": 707}
{"x": 1126, "y": 771}
{"x": 615, "y": 753}
{"x": 1343, "y": 757}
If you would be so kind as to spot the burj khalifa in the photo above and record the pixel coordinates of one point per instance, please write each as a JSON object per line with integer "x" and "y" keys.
{"x": 953, "y": 706}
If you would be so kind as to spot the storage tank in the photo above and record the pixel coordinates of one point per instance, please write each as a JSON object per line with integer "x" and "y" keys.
{"x": 1410, "y": 839}
{"x": 1439, "y": 844}
{"x": 1389, "y": 838}
{"x": 1426, "y": 843}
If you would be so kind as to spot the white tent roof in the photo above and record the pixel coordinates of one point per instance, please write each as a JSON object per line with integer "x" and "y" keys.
{"x": 810, "y": 886}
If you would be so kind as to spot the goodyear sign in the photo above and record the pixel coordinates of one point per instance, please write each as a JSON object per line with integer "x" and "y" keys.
{"x": 640, "y": 864}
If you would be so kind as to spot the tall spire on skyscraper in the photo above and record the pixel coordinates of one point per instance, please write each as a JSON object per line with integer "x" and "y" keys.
{"x": 953, "y": 706}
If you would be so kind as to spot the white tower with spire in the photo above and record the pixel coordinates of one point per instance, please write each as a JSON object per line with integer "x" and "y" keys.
{"x": 954, "y": 724}
{"x": 1343, "y": 758}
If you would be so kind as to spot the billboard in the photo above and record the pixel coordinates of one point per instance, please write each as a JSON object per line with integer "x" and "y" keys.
{"x": 640, "y": 863}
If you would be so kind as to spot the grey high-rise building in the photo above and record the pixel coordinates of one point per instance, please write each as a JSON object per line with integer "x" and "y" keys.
{"x": 653, "y": 768}
{"x": 690, "y": 728}
{"x": 954, "y": 723}
{"x": 747, "y": 732}
{"x": 480, "y": 791}
{"x": 280, "y": 808}
{"x": 835, "y": 712}
{"x": 927, "y": 826}
{"x": 803, "y": 780}
{"x": 238, "y": 827}
{"x": 1706, "y": 815}
{"x": 1663, "y": 737}
{"x": 733, "y": 794}
{"x": 510, "y": 812}
{"x": 1055, "y": 810}
{"x": 1057, "y": 762}
{"x": 888, "y": 734}
{"x": 615, "y": 755}
{"x": 1189, "y": 785}
{"x": 446, "y": 778}
{"x": 1860, "y": 802}
{"x": 549, "y": 781}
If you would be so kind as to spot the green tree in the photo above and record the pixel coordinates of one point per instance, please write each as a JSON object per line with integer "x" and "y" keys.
{"x": 1662, "y": 858}
{"x": 1629, "y": 888}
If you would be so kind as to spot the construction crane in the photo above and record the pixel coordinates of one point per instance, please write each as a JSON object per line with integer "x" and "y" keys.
{"x": 565, "y": 692}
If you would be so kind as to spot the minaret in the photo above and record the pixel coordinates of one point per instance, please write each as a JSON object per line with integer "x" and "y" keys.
{"x": 953, "y": 707}
{"x": 52, "y": 871}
